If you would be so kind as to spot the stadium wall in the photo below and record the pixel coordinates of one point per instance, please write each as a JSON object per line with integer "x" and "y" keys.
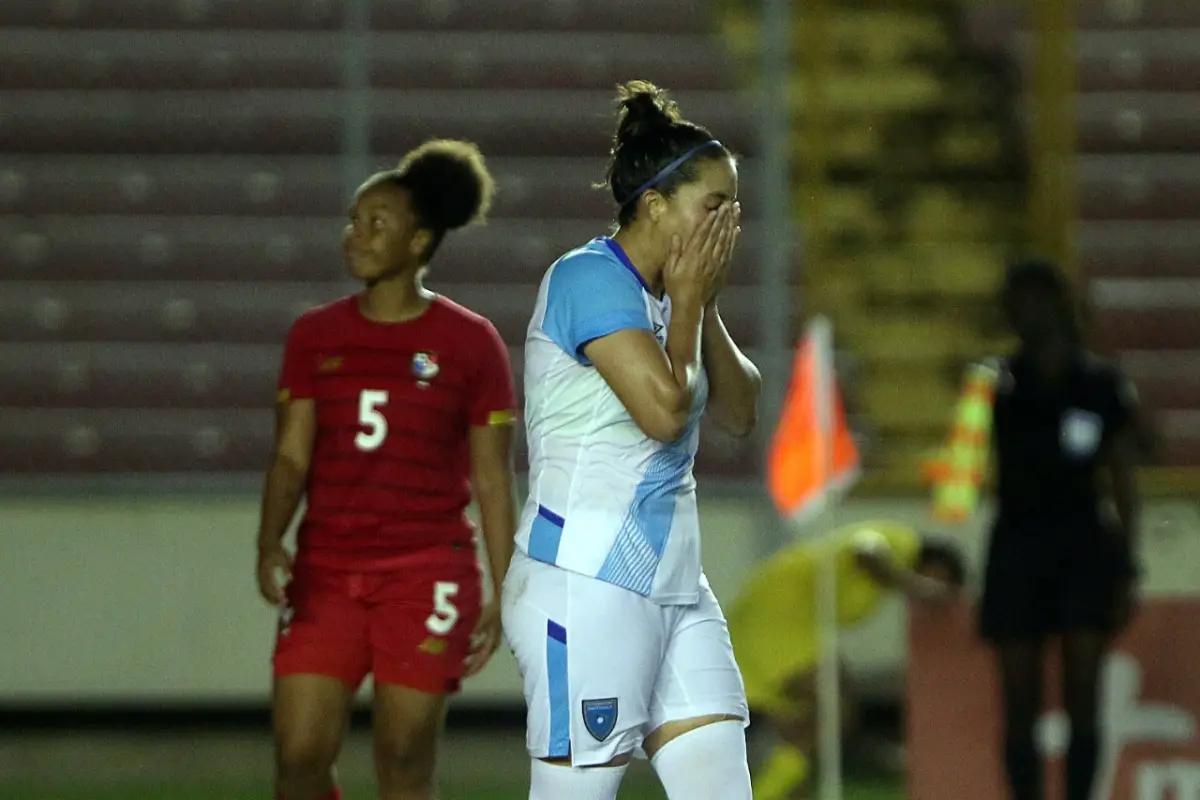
{"x": 151, "y": 601}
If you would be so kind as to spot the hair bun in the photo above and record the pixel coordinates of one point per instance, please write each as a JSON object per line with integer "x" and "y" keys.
{"x": 642, "y": 109}
{"x": 450, "y": 183}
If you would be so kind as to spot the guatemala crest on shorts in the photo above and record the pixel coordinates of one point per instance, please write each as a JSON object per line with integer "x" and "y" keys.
{"x": 600, "y": 717}
{"x": 1080, "y": 433}
{"x": 424, "y": 365}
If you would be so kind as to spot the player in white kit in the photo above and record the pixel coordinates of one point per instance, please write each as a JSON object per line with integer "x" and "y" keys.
{"x": 621, "y": 644}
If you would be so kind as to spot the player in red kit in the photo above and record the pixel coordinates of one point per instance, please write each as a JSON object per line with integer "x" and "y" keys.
{"x": 393, "y": 405}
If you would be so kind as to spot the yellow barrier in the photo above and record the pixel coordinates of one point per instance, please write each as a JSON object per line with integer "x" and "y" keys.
{"x": 1053, "y": 130}
{"x": 817, "y": 66}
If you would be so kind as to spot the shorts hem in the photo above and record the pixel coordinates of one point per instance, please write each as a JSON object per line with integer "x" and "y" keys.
{"x": 714, "y": 710}
{"x": 351, "y": 679}
{"x": 419, "y": 683}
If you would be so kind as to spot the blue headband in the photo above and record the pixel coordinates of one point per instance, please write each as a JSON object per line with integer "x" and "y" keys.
{"x": 667, "y": 170}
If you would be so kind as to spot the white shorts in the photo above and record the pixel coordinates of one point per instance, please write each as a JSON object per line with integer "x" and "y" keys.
{"x": 603, "y": 667}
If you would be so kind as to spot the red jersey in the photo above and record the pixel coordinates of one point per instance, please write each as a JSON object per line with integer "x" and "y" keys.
{"x": 390, "y": 471}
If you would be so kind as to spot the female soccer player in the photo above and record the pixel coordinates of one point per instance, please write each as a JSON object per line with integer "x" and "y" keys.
{"x": 393, "y": 404}
{"x": 619, "y": 639}
{"x": 775, "y": 634}
{"x": 1061, "y": 559}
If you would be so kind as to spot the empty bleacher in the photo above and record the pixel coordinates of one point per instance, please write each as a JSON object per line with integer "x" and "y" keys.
{"x": 172, "y": 189}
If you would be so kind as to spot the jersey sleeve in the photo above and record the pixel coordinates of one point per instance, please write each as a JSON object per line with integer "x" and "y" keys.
{"x": 493, "y": 399}
{"x": 296, "y": 377}
{"x": 589, "y": 297}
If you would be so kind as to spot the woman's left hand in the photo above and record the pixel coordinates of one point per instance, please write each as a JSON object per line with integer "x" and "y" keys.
{"x": 726, "y": 255}
{"x": 485, "y": 639}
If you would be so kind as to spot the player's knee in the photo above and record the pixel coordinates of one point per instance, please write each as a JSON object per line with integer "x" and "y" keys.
{"x": 555, "y": 779}
{"x": 708, "y": 760}
{"x": 304, "y": 756}
{"x": 406, "y": 762}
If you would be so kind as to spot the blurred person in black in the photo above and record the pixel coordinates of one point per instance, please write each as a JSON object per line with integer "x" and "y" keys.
{"x": 1061, "y": 559}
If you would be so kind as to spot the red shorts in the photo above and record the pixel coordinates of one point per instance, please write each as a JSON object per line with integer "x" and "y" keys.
{"x": 411, "y": 627}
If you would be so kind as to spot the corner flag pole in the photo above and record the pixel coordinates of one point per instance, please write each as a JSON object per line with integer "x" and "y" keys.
{"x": 829, "y": 740}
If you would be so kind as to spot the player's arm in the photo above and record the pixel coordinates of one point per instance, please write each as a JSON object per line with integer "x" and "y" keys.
{"x": 874, "y": 556}
{"x": 734, "y": 383}
{"x": 287, "y": 476}
{"x": 1122, "y": 456}
{"x": 492, "y": 482}
{"x": 295, "y": 429}
{"x": 595, "y": 311}
{"x": 655, "y": 386}
{"x": 492, "y": 415}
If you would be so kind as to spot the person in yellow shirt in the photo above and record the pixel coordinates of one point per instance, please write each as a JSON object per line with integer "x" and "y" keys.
{"x": 773, "y": 625}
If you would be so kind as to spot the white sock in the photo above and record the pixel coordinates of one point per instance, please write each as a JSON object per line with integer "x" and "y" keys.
{"x": 709, "y": 761}
{"x": 561, "y": 782}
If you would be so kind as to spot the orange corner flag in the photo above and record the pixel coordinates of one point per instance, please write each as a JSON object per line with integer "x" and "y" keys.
{"x": 813, "y": 457}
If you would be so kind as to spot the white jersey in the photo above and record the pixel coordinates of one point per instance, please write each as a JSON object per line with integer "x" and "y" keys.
{"x": 605, "y": 500}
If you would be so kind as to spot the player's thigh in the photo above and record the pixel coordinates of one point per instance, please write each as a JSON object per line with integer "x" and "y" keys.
{"x": 1021, "y": 580}
{"x": 310, "y": 716}
{"x": 1096, "y": 573}
{"x": 699, "y": 681}
{"x": 407, "y": 726}
{"x": 589, "y": 655}
{"x": 421, "y": 622}
{"x": 323, "y": 627}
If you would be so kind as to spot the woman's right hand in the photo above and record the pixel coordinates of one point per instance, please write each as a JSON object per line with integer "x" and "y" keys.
{"x": 694, "y": 270}
{"x": 274, "y": 573}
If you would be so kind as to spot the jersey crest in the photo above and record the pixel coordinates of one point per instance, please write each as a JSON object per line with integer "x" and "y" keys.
{"x": 600, "y": 717}
{"x": 425, "y": 366}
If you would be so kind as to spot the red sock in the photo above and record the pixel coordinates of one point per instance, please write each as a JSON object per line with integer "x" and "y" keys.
{"x": 336, "y": 794}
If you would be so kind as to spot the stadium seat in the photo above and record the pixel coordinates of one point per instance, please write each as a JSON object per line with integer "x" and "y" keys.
{"x": 541, "y": 125}
{"x": 154, "y": 123}
{"x": 900, "y": 89}
{"x": 172, "y": 195}
{"x": 141, "y": 441}
{"x": 1139, "y": 187}
{"x": 114, "y": 376}
{"x": 543, "y": 189}
{"x": 173, "y": 248}
{"x": 543, "y": 61}
{"x": 1123, "y": 61}
{"x": 1157, "y": 249}
{"x": 99, "y": 376}
{"x": 1179, "y": 437}
{"x": 592, "y": 16}
{"x": 991, "y": 25}
{"x": 165, "y": 185}
{"x": 144, "y": 61}
{"x": 1139, "y": 122}
{"x": 174, "y": 14}
{"x": 1115, "y": 329}
{"x": 1165, "y": 380}
{"x": 249, "y": 313}
{"x": 136, "y": 440}
{"x": 907, "y": 402}
{"x": 235, "y": 60}
{"x": 933, "y": 270}
{"x": 1146, "y": 61}
{"x": 156, "y": 312}
{"x": 199, "y": 249}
